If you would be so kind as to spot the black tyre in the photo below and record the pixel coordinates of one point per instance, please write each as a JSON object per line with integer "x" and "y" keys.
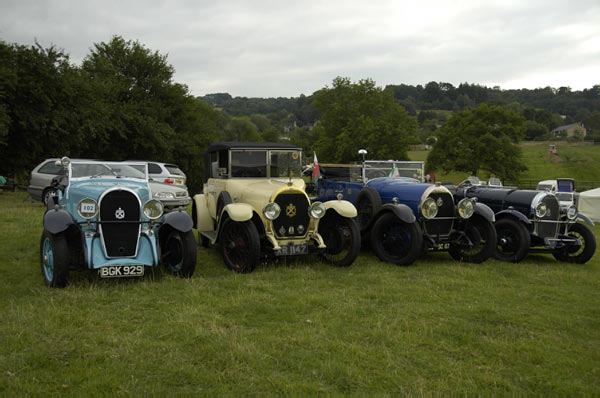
{"x": 482, "y": 235}
{"x": 513, "y": 240}
{"x": 368, "y": 204}
{"x": 240, "y": 245}
{"x": 396, "y": 241}
{"x": 342, "y": 238}
{"x": 179, "y": 253}
{"x": 223, "y": 200}
{"x": 54, "y": 259}
{"x": 47, "y": 196}
{"x": 578, "y": 254}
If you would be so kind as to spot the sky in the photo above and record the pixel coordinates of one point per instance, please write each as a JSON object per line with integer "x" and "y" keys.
{"x": 270, "y": 48}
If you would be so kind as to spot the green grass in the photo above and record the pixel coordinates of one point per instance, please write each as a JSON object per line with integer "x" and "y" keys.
{"x": 580, "y": 161}
{"x": 436, "y": 326}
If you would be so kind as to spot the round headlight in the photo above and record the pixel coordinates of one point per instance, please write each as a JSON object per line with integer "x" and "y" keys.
{"x": 317, "y": 210}
{"x": 429, "y": 209}
{"x": 540, "y": 210}
{"x": 163, "y": 195}
{"x": 87, "y": 208}
{"x": 271, "y": 211}
{"x": 153, "y": 209}
{"x": 466, "y": 207}
{"x": 572, "y": 212}
{"x": 65, "y": 161}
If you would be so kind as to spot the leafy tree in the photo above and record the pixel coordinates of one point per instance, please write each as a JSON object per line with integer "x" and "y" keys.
{"x": 484, "y": 138}
{"x": 534, "y": 130}
{"x": 241, "y": 129}
{"x": 360, "y": 115}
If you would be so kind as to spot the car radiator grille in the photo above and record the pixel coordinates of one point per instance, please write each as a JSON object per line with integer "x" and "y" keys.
{"x": 120, "y": 238}
{"x": 294, "y": 219}
{"x": 438, "y": 226}
{"x": 549, "y": 229}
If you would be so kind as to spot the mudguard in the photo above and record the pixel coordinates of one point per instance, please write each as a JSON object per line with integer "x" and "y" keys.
{"x": 342, "y": 207}
{"x": 179, "y": 220}
{"x": 485, "y": 211}
{"x": 204, "y": 221}
{"x": 57, "y": 220}
{"x": 585, "y": 219}
{"x": 238, "y": 211}
{"x": 513, "y": 213}
{"x": 402, "y": 211}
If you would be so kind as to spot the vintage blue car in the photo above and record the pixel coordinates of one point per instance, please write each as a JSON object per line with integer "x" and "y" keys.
{"x": 403, "y": 216}
{"x": 104, "y": 220}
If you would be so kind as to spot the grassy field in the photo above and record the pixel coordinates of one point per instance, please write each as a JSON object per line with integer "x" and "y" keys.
{"x": 436, "y": 326}
{"x": 578, "y": 161}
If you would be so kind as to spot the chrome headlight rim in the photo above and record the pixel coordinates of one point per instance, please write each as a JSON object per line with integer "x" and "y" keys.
{"x": 87, "y": 215}
{"x": 572, "y": 212}
{"x": 540, "y": 210}
{"x": 429, "y": 208}
{"x": 466, "y": 208}
{"x": 317, "y": 210}
{"x": 148, "y": 209}
{"x": 271, "y": 211}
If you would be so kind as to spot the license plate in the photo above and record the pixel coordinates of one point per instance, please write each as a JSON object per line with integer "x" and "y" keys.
{"x": 292, "y": 250}
{"x": 121, "y": 271}
{"x": 179, "y": 182}
{"x": 440, "y": 247}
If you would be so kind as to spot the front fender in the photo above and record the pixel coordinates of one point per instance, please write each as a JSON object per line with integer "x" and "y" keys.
{"x": 485, "y": 211}
{"x": 239, "y": 211}
{"x": 585, "y": 219}
{"x": 513, "y": 213}
{"x": 57, "y": 220}
{"x": 402, "y": 211}
{"x": 179, "y": 220}
{"x": 204, "y": 221}
{"x": 342, "y": 207}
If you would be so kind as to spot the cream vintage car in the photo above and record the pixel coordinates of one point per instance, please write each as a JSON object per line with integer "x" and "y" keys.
{"x": 254, "y": 205}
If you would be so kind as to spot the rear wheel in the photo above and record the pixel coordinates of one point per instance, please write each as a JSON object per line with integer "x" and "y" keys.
{"x": 342, "y": 238}
{"x": 578, "y": 254}
{"x": 368, "y": 204}
{"x": 396, "y": 241}
{"x": 513, "y": 240}
{"x": 179, "y": 253}
{"x": 482, "y": 235}
{"x": 240, "y": 245}
{"x": 54, "y": 259}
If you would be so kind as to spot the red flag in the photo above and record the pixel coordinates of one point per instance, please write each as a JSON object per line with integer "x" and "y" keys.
{"x": 315, "y": 171}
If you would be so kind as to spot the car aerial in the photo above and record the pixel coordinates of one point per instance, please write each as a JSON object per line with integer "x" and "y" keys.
{"x": 47, "y": 174}
{"x": 254, "y": 204}
{"x": 530, "y": 221}
{"x": 104, "y": 220}
{"x": 402, "y": 215}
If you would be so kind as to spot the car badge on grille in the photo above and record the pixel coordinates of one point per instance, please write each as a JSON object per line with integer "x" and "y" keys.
{"x": 291, "y": 230}
{"x": 548, "y": 213}
{"x": 282, "y": 231}
{"x": 300, "y": 229}
{"x": 290, "y": 210}
{"x": 120, "y": 214}
{"x": 439, "y": 202}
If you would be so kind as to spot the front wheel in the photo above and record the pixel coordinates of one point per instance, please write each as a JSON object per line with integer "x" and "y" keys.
{"x": 342, "y": 238}
{"x": 54, "y": 259}
{"x": 179, "y": 253}
{"x": 240, "y": 245}
{"x": 578, "y": 254}
{"x": 513, "y": 240}
{"x": 482, "y": 235}
{"x": 396, "y": 241}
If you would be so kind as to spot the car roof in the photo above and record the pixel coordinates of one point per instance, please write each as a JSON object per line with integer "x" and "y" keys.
{"x": 217, "y": 146}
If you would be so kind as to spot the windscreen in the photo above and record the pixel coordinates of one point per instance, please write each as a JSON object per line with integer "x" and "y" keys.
{"x": 248, "y": 163}
{"x": 286, "y": 164}
{"x": 107, "y": 170}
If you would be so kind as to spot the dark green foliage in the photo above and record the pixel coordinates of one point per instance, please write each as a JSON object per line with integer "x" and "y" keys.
{"x": 483, "y": 138}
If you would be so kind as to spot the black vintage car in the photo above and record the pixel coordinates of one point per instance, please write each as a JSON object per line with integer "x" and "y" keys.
{"x": 530, "y": 221}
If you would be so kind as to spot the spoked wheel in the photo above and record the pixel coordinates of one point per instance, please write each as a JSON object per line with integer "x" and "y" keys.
{"x": 396, "y": 241}
{"x": 240, "y": 245}
{"x": 54, "y": 259}
{"x": 482, "y": 235}
{"x": 513, "y": 240}
{"x": 179, "y": 253}
{"x": 578, "y": 254}
{"x": 342, "y": 238}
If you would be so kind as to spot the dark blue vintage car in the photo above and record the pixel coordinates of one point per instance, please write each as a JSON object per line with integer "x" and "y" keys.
{"x": 529, "y": 221}
{"x": 401, "y": 216}
{"x": 104, "y": 220}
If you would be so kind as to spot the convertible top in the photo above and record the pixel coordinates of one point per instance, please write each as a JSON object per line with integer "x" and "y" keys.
{"x": 217, "y": 146}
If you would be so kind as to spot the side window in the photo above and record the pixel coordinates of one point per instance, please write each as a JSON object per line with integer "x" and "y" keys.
{"x": 214, "y": 164}
{"x": 153, "y": 168}
{"x": 51, "y": 168}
